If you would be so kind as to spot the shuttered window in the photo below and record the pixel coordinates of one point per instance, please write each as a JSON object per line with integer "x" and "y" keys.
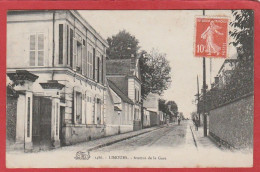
{"x": 98, "y": 69}
{"x": 84, "y": 59}
{"x": 94, "y": 64}
{"x": 90, "y": 63}
{"x": 36, "y": 49}
{"x": 60, "y": 43}
{"x": 71, "y": 47}
{"x": 78, "y": 110}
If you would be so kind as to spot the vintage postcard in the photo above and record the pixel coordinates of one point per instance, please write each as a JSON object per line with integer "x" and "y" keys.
{"x": 129, "y": 88}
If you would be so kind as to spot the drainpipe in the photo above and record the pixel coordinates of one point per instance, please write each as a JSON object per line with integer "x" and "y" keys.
{"x": 53, "y": 43}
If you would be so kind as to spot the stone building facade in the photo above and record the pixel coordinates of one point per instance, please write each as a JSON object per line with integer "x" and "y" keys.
{"x": 65, "y": 102}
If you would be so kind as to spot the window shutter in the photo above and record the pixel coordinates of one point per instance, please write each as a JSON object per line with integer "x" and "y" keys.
{"x": 74, "y": 53}
{"x": 94, "y": 63}
{"x": 84, "y": 61}
{"x": 60, "y": 43}
{"x": 40, "y": 49}
{"x": 71, "y": 48}
{"x": 73, "y": 118}
{"x": 32, "y": 49}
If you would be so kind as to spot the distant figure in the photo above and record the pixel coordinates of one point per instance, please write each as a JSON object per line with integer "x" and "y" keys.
{"x": 179, "y": 120}
{"x": 196, "y": 123}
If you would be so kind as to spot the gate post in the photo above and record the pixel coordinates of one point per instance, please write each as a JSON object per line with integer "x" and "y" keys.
{"x": 23, "y": 81}
{"x": 52, "y": 88}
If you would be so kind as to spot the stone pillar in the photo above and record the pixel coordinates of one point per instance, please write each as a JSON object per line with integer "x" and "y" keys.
{"x": 23, "y": 81}
{"x": 52, "y": 89}
{"x": 28, "y": 120}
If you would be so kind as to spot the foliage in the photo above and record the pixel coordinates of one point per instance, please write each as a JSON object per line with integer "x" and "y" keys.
{"x": 243, "y": 31}
{"x": 155, "y": 72}
{"x": 243, "y": 35}
{"x": 122, "y": 46}
{"x": 173, "y": 107}
{"x": 163, "y": 106}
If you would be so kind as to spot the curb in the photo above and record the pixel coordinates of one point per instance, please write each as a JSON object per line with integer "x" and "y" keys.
{"x": 119, "y": 140}
{"x": 193, "y": 136}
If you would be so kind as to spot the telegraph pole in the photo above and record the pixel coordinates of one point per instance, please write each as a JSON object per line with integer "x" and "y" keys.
{"x": 204, "y": 94}
{"x": 198, "y": 94}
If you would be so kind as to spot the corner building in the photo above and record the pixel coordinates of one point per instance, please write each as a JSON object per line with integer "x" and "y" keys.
{"x": 64, "y": 59}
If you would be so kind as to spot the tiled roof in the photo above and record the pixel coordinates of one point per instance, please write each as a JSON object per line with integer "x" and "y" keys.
{"x": 113, "y": 86}
{"x": 120, "y": 66}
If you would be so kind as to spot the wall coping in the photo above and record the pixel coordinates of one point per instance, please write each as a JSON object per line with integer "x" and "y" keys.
{"x": 234, "y": 100}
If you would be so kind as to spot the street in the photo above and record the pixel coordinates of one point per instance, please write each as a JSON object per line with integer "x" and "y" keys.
{"x": 167, "y": 136}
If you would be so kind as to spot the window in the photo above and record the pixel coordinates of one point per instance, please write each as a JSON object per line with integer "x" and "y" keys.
{"x": 94, "y": 64}
{"x": 90, "y": 64}
{"x": 68, "y": 45}
{"x": 60, "y": 43}
{"x": 98, "y": 111}
{"x": 102, "y": 69}
{"x": 98, "y": 69}
{"x": 78, "y": 108}
{"x": 84, "y": 59}
{"x": 37, "y": 49}
{"x": 78, "y": 56}
{"x": 71, "y": 48}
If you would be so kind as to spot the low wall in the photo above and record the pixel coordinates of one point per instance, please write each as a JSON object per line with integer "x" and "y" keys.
{"x": 126, "y": 128}
{"x": 111, "y": 130}
{"x": 232, "y": 123}
{"x": 80, "y": 133}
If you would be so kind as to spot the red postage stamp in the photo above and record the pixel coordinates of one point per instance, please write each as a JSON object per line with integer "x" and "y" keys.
{"x": 211, "y": 37}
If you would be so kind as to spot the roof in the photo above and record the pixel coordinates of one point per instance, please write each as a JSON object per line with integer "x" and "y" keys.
{"x": 121, "y": 66}
{"x": 226, "y": 61}
{"x": 117, "y": 108}
{"x": 113, "y": 86}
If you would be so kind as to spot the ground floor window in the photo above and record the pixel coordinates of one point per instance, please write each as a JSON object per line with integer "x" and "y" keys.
{"x": 78, "y": 108}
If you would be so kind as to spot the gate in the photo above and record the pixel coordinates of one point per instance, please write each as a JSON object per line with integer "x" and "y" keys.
{"x": 41, "y": 125}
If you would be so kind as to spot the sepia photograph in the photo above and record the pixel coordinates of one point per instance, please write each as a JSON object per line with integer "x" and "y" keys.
{"x": 129, "y": 88}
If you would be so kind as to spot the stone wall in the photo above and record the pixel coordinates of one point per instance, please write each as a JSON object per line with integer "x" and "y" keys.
{"x": 11, "y": 117}
{"x": 232, "y": 123}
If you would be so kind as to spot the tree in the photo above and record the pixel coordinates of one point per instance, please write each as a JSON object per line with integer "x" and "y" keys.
{"x": 122, "y": 46}
{"x": 243, "y": 32}
{"x": 173, "y": 107}
{"x": 242, "y": 78}
{"x": 155, "y": 72}
{"x": 163, "y": 106}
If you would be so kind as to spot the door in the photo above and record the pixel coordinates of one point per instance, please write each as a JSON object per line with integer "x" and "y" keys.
{"x": 41, "y": 126}
{"x": 62, "y": 114}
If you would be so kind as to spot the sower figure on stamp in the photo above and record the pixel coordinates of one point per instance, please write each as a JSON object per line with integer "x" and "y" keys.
{"x": 209, "y": 36}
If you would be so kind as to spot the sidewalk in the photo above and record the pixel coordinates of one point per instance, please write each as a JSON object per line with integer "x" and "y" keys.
{"x": 97, "y": 143}
{"x": 201, "y": 141}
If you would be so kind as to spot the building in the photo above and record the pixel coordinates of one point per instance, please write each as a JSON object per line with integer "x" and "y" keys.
{"x": 125, "y": 74}
{"x": 59, "y": 61}
{"x": 146, "y": 118}
{"x": 121, "y": 120}
{"x": 224, "y": 73}
{"x": 151, "y": 104}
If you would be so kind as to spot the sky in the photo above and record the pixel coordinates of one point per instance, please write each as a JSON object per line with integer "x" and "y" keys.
{"x": 171, "y": 32}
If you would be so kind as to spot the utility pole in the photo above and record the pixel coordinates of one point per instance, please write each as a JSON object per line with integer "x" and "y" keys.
{"x": 198, "y": 94}
{"x": 204, "y": 93}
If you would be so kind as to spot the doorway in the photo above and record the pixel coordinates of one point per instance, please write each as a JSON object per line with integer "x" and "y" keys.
{"x": 41, "y": 123}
